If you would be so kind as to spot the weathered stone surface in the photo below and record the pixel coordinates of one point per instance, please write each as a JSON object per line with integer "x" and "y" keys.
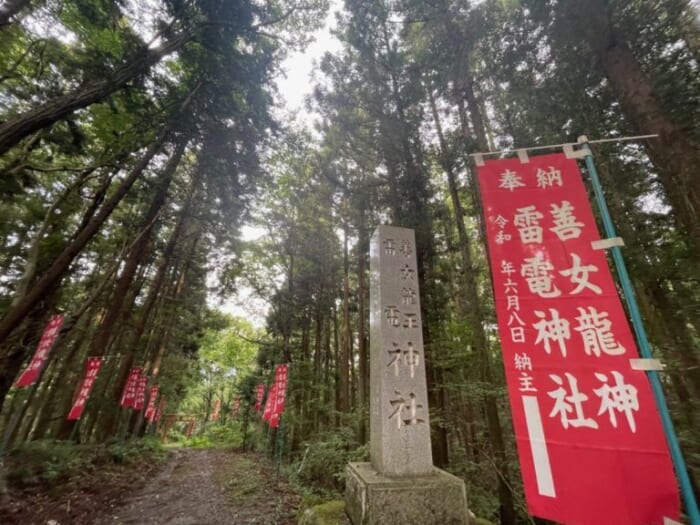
{"x": 374, "y": 499}
{"x": 399, "y": 422}
{"x": 329, "y": 513}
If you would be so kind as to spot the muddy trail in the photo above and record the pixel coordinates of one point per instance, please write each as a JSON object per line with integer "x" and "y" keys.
{"x": 193, "y": 487}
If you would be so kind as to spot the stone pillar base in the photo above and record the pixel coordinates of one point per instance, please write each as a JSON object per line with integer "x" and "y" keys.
{"x": 374, "y": 499}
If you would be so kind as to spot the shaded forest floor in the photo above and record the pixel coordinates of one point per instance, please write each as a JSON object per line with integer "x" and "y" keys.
{"x": 191, "y": 487}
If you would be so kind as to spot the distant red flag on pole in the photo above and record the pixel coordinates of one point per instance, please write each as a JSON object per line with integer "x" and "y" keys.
{"x": 140, "y": 392}
{"x": 92, "y": 367}
{"x": 589, "y": 437}
{"x": 259, "y": 394}
{"x": 236, "y": 406}
{"x": 281, "y": 374}
{"x": 190, "y": 428}
{"x": 217, "y": 407}
{"x": 129, "y": 393}
{"x": 151, "y": 409}
{"x": 269, "y": 402}
{"x": 47, "y": 340}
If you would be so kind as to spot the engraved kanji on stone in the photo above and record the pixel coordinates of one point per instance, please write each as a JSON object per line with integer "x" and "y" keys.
{"x": 410, "y": 320}
{"x": 389, "y": 246}
{"x": 408, "y": 295}
{"x": 405, "y": 248}
{"x": 405, "y": 411}
{"x": 395, "y": 355}
{"x": 408, "y": 273}
{"x": 393, "y": 315}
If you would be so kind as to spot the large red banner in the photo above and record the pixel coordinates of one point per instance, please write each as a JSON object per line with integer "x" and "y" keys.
{"x": 590, "y": 441}
{"x": 92, "y": 367}
{"x": 129, "y": 392}
{"x": 48, "y": 338}
{"x": 280, "y": 394}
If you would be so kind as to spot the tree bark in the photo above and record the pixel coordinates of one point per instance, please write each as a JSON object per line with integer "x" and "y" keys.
{"x": 674, "y": 154}
{"x": 476, "y": 320}
{"x": 17, "y": 128}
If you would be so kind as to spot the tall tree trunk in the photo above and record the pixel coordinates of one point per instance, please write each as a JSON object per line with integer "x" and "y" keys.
{"x": 478, "y": 333}
{"x": 344, "y": 357}
{"x": 363, "y": 372}
{"x": 16, "y": 128}
{"x": 674, "y": 154}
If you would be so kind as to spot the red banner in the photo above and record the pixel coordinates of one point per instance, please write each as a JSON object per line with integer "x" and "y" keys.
{"x": 151, "y": 408}
{"x": 140, "y": 392}
{"x": 48, "y": 338}
{"x": 590, "y": 441}
{"x": 129, "y": 393}
{"x": 92, "y": 367}
{"x": 217, "y": 408}
{"x": 236, "y": 406}
{"x": 269, "y": 402}
{"x": 259, "y": 394}
{"x": 280, "y": 394}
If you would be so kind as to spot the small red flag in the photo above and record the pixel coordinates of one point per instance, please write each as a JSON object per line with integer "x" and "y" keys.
{"x": 92, "y": 367}
{"x": 151, "y": 409}
{"x": 236, "y": 406}
{"x": 271, "y": 394}
{"x": 129, "y": 393}
{"x": 217, "y": 407}
{"x": 259, "y": 394}
{"x": 47, "y": 340}
{"x": 280, "y": 394}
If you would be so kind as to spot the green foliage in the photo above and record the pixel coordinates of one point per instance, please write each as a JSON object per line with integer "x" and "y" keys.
{"x": 328, "y": 454}
{"x": 48, "y": 464}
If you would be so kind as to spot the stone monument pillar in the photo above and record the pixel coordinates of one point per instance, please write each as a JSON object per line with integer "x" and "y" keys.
{"x": 400, "y": 485}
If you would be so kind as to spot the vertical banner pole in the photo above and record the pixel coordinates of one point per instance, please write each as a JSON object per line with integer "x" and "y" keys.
{"x": 691, "y": 505}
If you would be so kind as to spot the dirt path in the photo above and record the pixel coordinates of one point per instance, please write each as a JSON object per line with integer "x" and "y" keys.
{"x": 208, "y": 487}
{"x": 192, "y": 487}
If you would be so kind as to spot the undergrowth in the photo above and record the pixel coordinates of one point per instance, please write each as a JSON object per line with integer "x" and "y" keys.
{"x": 48, "y": 464}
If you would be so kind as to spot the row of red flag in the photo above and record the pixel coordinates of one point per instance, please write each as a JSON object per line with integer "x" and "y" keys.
{"x": 134, "y": 393}
{"x": 133, "y": 396}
